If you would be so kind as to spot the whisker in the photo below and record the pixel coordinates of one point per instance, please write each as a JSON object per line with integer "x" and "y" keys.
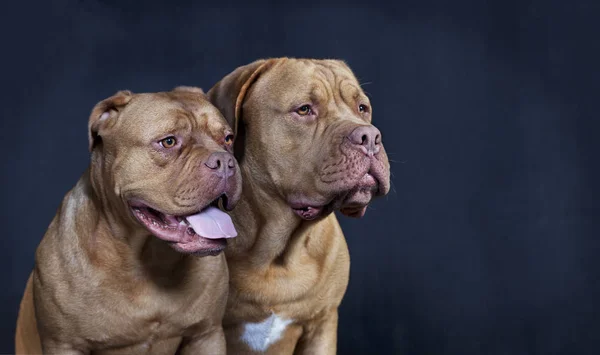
{"x": 393, "y": 188}
{"x": 397, "y": 161}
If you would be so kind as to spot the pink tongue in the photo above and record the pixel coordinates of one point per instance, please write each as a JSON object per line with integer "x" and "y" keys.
{"x": 212, "y": 223}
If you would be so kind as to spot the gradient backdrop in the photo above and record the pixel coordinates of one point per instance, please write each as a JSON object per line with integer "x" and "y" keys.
{"x": 489, "y": 241}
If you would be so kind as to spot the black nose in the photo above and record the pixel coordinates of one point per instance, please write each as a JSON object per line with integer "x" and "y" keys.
{"x": 368, "y": 138}
{"x": 221, "y": 164}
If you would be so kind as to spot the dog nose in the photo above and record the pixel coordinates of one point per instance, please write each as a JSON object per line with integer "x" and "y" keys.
{"x": 221, "y": 163}
{"x": 367, "y": 138}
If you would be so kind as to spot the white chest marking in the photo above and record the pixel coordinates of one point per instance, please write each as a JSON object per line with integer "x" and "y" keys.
{"x": 259, "y": 336}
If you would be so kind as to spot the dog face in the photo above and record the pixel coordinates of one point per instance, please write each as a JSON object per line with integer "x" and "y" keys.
{"x": 165, "y": 158}
{"x": 307, "y": 125}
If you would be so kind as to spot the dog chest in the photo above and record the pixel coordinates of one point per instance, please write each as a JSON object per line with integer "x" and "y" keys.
{"x": 259, "y": 336}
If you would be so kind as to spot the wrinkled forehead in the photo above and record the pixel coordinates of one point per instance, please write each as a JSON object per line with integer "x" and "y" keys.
{"x": 169, "y": 112}
{"x": 318, "y": 79}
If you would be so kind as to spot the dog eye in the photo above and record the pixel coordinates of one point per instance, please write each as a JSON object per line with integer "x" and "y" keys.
{"x": 304, "y": 110}
{"x": 363, "y": 108}
{"x": 168, "y": 142}
{"x": 229, "y": 139}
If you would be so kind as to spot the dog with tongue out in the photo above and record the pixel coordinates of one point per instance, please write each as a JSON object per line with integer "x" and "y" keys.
{"x": 132, "y": 261}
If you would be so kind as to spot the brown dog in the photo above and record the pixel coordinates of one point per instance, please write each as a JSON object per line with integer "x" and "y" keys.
{"x": 306, "y": 147}
{"x": 119, "y": 270}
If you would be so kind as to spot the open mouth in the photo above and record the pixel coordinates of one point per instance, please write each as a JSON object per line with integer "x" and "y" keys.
{"x": 204, "y": 232}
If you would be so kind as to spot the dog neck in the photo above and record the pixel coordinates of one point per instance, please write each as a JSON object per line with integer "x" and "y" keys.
{"x": 269, "y": 231}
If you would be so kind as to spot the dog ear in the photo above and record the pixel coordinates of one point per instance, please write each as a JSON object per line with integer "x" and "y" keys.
{"x": 104, "y": 114}
{"x": 228, "y": 94}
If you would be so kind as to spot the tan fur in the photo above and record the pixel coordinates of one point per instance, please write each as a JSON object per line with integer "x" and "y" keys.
{"x": 102, "y": 284}
{"x": 280, "y": 263}
{"x": 27, "y": 338}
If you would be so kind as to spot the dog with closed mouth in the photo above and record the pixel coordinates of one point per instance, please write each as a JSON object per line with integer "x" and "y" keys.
{"x": 132, "y": 261}
{"x": 306, "y": 148}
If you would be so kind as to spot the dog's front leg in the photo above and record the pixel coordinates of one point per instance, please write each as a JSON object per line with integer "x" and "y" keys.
{"x": 320, "y": 336}
{"x": 209, "y": 343}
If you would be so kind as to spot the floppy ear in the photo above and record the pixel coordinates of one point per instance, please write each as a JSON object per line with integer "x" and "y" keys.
{"x": 104, "y": 114}
{"x": 228, "y": 94}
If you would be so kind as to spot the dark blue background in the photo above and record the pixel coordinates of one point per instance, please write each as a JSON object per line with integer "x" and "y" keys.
{"x": 489, "y": 241}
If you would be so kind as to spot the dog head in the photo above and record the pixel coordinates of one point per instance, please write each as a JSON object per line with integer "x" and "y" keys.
{"x": 305, "y": 125}
{"x": 165, "y": 161}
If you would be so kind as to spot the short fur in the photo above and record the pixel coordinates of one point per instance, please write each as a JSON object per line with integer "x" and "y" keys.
{"x": 281, "y": 263}
{"x": 102, "y": 284}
